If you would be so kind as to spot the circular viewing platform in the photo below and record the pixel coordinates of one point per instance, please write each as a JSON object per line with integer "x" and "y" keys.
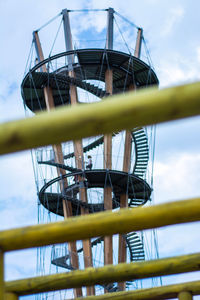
{"x": 137, "y": 190}
{"x": 88, "y": 64}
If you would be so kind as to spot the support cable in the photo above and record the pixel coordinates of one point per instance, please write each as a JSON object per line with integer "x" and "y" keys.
{"x": 85, "y": 10}
{"x": 147, "y": 53}
{"x": 122, "y": 36}
{"x": 51, "y": 20}
{"x": 30, "y": 55}
{"x": 55, "y": 38}
{"x": 126, "y": 20}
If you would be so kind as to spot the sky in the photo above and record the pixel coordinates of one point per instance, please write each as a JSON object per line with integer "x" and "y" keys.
{"x": 171, "y": 32}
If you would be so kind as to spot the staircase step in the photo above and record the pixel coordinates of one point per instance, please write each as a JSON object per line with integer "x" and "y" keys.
{"x": 139, "y": 147}
{"x": 142, "y": 138}
{"x": 140, "y": 247}
{"x": 131, "y": 234}
{"x": 141, "y": 142}
{"x": 133, "y": 238}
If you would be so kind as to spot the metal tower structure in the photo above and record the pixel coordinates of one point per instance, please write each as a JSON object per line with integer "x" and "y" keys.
{"x": 84, "y": 176}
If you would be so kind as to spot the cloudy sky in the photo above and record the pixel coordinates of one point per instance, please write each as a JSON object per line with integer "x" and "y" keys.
{"x": 171, "y": 32}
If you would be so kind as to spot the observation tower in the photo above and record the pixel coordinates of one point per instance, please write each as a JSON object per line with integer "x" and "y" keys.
{"x": 99, "y": 173}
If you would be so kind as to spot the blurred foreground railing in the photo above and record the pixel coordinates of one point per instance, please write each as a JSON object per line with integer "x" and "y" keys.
{"x": 122, "y": 111}
{"x": 125, "y": 111}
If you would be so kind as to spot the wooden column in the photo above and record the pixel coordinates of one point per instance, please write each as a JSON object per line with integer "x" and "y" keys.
{"x": 78, "y": 147}
{"x": 124, "y": 199}
{"x": 79, "y": 158}
{"x": 58, "y": 154}
{"x": 126, "y": 166}
{"x": 138, "y": 45}
{"x": 185, "y": 296}
{"x": 108, "y": 243}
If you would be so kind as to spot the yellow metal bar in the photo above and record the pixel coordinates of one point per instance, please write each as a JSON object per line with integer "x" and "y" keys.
{"x": 101, "y": 224}
{"x": 11, "y": 296}
{"x": 129, "y": 110}
{"x": 1, "y": 274}
{"x": 106, "y": 274}
{"x": 185, "y": 295}
{"x": 164, "y": 292}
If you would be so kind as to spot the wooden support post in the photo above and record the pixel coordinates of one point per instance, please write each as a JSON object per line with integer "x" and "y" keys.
{"x": 11, "y": 296}
{"x": 108, "y": 243}
{"x": 108, "y": 137}
{"x": 124, "y": 203}
{"x": 67, "y": 207}
{"x": 78, "y": 147}
{"x": 124, "y": 197}
{"x": 1, "y": 274}
{"x": 58, "y": 153}
{"x": 38, "y": 48}
{"x": 110, "y": 17}
{"x": 138, "y": 43}
{"x": 185, "y": 296}
{"x": 78, "y": 152}
{"x": 126, "y": 165}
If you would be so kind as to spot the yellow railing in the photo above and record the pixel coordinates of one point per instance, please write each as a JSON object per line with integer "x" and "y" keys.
{"x": 120, "y": 112}
{"x": 148, "y": 106}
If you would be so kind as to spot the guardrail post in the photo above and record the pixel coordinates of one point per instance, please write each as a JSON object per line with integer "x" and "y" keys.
{"x": 11, "y": 296}
{"x": 185, "y": 296}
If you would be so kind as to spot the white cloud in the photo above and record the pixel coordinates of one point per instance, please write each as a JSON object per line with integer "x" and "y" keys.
{"x": 177, "y": 70}
{"x": 16, "y": 259}
{"x": 177, "y": 177}
{"x": 18, "y": 199}
{"x": 174, "y": 17}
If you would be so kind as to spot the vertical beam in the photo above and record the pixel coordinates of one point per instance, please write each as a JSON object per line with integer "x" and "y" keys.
{"x": 87, "y": 250}
{"x": 78, "y": 147}
{"x": 67, "y": 208}
{"x": 109, "y": 40}
{"x": 78, "y": 152}
{"x": 108, "y": 243}
{"x": 126, "y": 166}
{"x": 38, "y": 49}
{"x": 67, "y": 30}
{"x": 109, "y": 89}
{"x": 185, "y": 296}
{"x": 108, "y": 137}
{"x": 1, "y": 274}
{"x": 138, "y": 45}
{"x": 48, "y": 95}
{"x": 124, "y": 201}
{"x": 68, "y": 36}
